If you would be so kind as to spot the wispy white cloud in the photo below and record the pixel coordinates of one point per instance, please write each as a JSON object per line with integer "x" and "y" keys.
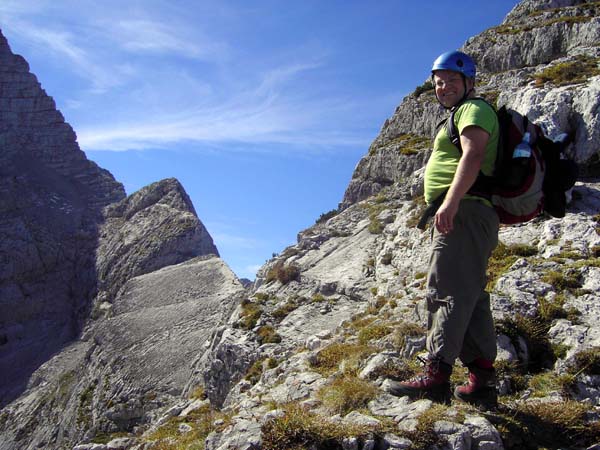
{"x": 263, "y": 123}
{"x": 267, "y": 113}
{"x": 165, "y": 80}
{"x": 148, "y": 36}
{"x": 68, "y": 51}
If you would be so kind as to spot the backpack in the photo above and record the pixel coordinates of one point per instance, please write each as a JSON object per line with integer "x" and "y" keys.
{"x": 518, "y": 190}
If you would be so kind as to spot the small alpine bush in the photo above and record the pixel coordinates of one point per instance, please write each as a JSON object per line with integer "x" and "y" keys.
{"x": 283, "y": 273}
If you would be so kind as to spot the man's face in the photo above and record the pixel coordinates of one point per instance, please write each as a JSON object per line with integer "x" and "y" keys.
{"x": 449, "y": 87}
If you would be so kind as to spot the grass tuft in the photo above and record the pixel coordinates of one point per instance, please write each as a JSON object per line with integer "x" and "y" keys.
{"x": 328, "y": 360}
{"x": 267, "y": 335}
{"x": 300, "y": 429}
{"x": 587, "y": 362}
{"x": 346, "y": 393}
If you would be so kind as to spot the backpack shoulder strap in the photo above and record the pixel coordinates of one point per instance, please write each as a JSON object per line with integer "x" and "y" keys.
{"x": 451, "y": 125}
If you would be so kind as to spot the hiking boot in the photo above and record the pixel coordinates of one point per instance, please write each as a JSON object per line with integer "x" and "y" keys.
{"x": 433, "y": 384}
{"x": 480, "y": 390}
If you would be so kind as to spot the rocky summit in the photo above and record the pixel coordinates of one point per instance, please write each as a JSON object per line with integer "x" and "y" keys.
{"x": 121, "y": 328}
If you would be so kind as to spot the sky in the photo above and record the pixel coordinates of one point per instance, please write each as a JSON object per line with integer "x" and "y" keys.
{"x": 260, "y": 108}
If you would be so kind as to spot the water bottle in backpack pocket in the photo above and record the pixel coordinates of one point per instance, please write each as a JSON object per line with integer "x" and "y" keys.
{"x": 520, "y": 164}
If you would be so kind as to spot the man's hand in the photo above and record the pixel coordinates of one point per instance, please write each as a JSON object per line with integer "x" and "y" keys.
{"x": 444, "y": 218}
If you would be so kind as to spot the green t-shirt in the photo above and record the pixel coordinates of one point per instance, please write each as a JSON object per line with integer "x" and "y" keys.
{"x": 443, "y": 162}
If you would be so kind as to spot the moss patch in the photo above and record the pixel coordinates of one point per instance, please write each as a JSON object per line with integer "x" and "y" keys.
{"x": 503, "y": 257}
{"x": 576, "y": 71}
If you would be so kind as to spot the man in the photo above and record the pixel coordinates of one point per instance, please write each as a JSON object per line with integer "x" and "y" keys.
{"x": 460, "y": 323}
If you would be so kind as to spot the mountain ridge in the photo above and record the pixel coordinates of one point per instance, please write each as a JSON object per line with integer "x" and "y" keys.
{"x": 298, "y": 360}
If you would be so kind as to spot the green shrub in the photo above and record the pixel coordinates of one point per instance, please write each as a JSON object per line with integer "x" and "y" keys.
{"x": 514, "y": 373}
{"x": 198, "y": 393}
{"x": 405, "y": 330}
{"x": 418, "y": 207}
{"x": 535, "y": 332}
{"x": 503, "y": 257}
{"x": 543, "y": 384}
{"x": 267, "y": 335}
{"x": 328, "y": 215}
{"x": 562, "y": 281}
{"x": 425, "y": 87}
{"x": 262, "y": 297}
{"x": 249, "y": 315}
{"x": 546, "y": 425}
{"x": 202, "y": 421}
{"x": 317, "y": 298}
{"x": 255, "y": 371}
{"x": 559, "y": 423}
{"x": 424, "y": 436}
{"x": 386, "y": 259}
{"x": 283, "y": 273}
{"x": 282, "y": 311}
{"x": 375, "y": 225}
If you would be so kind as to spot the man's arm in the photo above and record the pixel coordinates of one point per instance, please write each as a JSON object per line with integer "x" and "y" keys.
{"x": 473, "y": 140}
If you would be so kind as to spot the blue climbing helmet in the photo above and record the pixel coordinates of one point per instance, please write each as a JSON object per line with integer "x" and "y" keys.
{"x": 455, "y": 61}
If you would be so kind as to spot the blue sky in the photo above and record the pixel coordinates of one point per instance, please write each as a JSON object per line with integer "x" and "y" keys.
{"x": 261, "y": 109}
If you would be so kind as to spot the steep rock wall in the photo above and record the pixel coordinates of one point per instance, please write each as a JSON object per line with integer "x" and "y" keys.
{"x": 51, "y": 197}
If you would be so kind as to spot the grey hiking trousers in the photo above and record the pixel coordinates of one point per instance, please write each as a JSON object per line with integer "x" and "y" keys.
{"x": 459, "y": 319}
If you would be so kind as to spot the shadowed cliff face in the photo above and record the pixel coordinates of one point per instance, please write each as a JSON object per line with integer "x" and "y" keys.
{"x": 51, "y": 199}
